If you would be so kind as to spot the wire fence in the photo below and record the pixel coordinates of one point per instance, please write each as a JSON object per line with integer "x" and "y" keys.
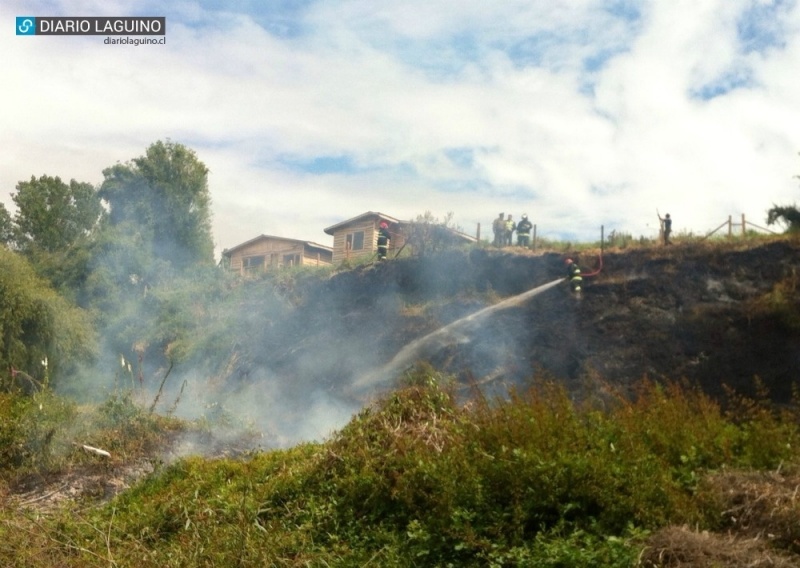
{"x": 732, "y": 226}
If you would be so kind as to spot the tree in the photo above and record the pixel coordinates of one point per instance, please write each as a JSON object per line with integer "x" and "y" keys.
{"x": 6, "y": 226}
{"x": 53, "y": 228}
{"x": 51, "y": 215}
{"x": 428, "y": 235}
{"x": 162, "y": 198}
{"x": 788, "y": 214}
{"x": 41, "y": 334}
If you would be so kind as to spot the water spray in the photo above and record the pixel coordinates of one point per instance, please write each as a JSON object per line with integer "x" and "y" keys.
{"x": 447, "y": 335}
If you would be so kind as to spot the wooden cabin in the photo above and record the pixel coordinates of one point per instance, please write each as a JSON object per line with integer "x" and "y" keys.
{"x": 358, "y": 237}
{"x": 266, "y": 252}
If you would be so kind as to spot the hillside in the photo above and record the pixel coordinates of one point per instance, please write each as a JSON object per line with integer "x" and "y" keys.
{"x": 716, "y": 315}
{"x": 415, "y": 477}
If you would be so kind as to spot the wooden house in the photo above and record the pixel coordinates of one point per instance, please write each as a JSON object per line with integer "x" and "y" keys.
{"x": 266, "y": 252}
{"x": 358, "y": 237}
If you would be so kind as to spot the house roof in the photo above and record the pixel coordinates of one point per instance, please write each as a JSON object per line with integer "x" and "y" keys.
{"x": 383, "y": 217}
{"x": 330, "y": 230}
{"x": 310, "y": 244}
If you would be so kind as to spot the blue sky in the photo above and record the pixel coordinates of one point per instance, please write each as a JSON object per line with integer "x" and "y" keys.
{"x": 580, "y": 113}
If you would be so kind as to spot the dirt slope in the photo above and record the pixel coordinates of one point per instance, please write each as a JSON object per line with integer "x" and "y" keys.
{"x": 713, "y": 314}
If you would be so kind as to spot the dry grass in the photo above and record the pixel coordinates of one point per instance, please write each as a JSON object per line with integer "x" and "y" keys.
{"x": 759, "y": 525}
{"x": 759, "y": 505}
{"x": 674, "y": 547}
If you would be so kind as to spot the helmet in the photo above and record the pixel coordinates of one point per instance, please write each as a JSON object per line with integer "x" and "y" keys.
{"x": 524, "y": 215}
{"x": 384, "y": 225}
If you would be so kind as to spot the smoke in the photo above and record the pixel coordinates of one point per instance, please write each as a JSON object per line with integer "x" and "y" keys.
{"x": 273, "y": 362}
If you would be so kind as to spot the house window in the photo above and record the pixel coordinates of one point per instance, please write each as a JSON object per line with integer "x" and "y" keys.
{"x": 355, "y": 241}
{"x": 291, "y": 259}
{"x": 253, "y": 262}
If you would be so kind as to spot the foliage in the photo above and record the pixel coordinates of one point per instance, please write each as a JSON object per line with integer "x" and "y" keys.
{"x": 41, "y": 334}
{"x": 51, "y": 215}
{"x": 6, "y": 226}
{"x": 534, "y": 479}
{"x": 162, "y": 198}
{"x": 786, "y": 214}
{"x": 428, "y": 234}
{"x": 44, "y": 434}
{"x": 53, "y": 227}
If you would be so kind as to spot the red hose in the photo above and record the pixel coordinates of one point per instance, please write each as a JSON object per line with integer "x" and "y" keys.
{"x": 599, "y": 267}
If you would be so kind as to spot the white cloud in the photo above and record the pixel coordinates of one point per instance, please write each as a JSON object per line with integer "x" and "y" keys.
{"x": 574, "y": 113}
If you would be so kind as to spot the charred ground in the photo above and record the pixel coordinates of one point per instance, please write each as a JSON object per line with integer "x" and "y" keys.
{"x": 718, "y": 315}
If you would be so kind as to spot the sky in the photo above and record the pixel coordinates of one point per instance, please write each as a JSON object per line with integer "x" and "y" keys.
{"x": 581, "y": 113}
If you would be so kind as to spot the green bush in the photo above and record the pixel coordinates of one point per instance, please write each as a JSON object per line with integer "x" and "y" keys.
{"x": 421, "y": 478}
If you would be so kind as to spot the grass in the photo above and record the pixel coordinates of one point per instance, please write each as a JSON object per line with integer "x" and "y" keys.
{"x": 44, "y": 435}
{"x": 420, "y": 479}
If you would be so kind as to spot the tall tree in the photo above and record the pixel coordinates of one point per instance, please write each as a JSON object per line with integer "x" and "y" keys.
{"x": 162, "y": 198}
{"x": 52, "y": 215}
{"x": 53, "y": 228}
{"x": 6, "y": 226}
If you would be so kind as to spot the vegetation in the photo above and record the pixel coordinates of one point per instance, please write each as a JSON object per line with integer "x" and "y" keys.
{"x": 121, "y": 276}
{"x": 162, "y": 198}
{"x": 417, "y": 479}
{"x": 41, "y": 334}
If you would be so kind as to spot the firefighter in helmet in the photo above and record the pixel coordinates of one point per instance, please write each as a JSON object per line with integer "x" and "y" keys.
{"x": 384, "y": 238}
{"x": 524, "y": 231}
{"x": 574, "y": 275}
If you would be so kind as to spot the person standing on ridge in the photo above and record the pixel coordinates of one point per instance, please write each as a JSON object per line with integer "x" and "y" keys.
{"x": 666, "y": 228}
{"x": 510, "y": 228}
{"x": 574, "y": 275}
{"x": 499, "y": 230}
{"x": 524, "y": 231}
{"x": 384, "y": 238}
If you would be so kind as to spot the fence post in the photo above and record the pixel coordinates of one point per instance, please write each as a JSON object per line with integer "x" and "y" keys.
{"x": 478, "y": 233}
{"x": 534, "y": 238}
{"x": 744, "y": 226}
{"x": 730, "y": 226}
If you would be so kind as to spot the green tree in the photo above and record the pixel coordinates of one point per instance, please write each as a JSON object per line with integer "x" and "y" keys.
{"x": 162, "y": 199}
{"x": 41, "y": 333}
{"x": 6, "y": 226}
{"x": 786, "y": 214}
{"x": 54, "y": 226}
{"x": 52, "y": 215}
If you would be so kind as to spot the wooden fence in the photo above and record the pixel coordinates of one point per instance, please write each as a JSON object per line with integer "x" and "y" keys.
{"x": 744, "y": 225}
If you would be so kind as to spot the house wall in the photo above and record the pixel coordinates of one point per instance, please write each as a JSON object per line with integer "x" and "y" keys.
{"x": 370, "y": 242}
{"x": 273, "y": 253}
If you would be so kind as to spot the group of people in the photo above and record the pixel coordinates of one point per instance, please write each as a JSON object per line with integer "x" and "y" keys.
{"x": 504, "y": 227}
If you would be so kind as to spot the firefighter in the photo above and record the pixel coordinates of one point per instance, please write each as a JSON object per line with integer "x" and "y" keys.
{"x": 666, "y": 227}
{"x": 524, "y": 231}
{"x": 574, "y": 275}
{"x": 384, "y": 238}
{"x": 510, "y": 227}
{"x": 499, "y": 230}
